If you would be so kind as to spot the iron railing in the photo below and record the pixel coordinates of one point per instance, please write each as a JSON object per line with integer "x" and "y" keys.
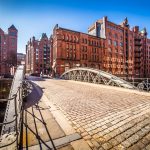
{"x": 10, "y": 133}
{"x": 93, "y": 75}
{"x": 141, "y": 83}
{"x": 17, "y": 98}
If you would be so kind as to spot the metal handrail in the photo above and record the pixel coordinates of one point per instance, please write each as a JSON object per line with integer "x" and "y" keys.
{"x": 8, "y": 144}
{"x": 14, "y": 120}
{"x": 4, "y": 123}
{"x": 17, "y": 97}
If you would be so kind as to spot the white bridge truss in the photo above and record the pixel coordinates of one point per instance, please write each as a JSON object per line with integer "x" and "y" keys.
{"x": 95, "y": 76}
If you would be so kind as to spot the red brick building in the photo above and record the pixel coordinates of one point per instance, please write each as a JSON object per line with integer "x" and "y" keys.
{"x": 72, "y": 49}
{"x": 147, "y": 65}
{"x": 8, "y": 50}
{"x": 119, "y": 53}
{"x": 38, "y": 55}
{"x": 113, "y": 48}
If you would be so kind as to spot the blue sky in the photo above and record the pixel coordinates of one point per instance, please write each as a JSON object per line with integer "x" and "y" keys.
{"x": 33, "y": 17}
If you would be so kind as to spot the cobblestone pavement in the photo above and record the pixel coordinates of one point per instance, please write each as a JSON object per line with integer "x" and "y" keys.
{"x": 106, "y": 117}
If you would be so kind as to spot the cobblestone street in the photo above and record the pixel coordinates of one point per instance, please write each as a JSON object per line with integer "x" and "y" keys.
{"x": 106, "y": 117}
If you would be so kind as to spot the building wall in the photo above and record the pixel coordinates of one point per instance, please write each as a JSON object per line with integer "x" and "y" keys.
{"x": 114, "y": 48}
{"x": 74, "y": 49}
{"x": 8, "y": 50}
{"x": 38, "y": 55}
{"x": 119, "y": 52}
{"x": 147, "y": 72}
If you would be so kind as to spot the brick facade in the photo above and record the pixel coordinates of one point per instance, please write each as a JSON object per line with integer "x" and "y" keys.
{"x": 8, "y": 50}
{"x": 38, "y": 55}
{"x": 119, "y": 52}
{"x": 74, "y": 49}
{"x": 116, "y": 49}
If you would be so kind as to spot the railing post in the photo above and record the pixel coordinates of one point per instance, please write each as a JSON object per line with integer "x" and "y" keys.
{"x": 88, "y": 76}
{"x": 147, "y": 84}
{"x": 133, "y": 81}
{"x": 16, "y": 115}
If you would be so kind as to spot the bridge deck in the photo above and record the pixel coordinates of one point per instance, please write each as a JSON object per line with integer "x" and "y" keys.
{"x": 106, "y": 117}
{"x": 40, "y": 128}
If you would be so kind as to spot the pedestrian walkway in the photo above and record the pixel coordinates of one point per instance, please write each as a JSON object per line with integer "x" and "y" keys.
{"x": 105, "y": 117}
{"x": 44, "y": 127}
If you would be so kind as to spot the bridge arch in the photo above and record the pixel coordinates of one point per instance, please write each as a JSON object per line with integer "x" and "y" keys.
{"x": 86, "y": 74}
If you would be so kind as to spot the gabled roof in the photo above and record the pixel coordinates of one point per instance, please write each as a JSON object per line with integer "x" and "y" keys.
{"x": 12, "y": 27}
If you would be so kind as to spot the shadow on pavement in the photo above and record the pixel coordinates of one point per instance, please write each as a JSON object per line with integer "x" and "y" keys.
{"x": 34, "y": 95}
{"x": 32, "y": 119}
{"x": 34, "y": 78}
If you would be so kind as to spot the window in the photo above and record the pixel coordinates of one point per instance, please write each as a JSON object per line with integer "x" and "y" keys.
{"x": 67, "y": 55}
{"x": 115, "y": 43}
{"x": 67, "y": 37}
{"x": 82, "y": 40}
{"x": 67, "y": 46}
{"x": 77, "y": 40}
{"x": 85, "y": 48}
{"x": 116, "y": 36}
{"x": 13, "y": 33}
{"x": 121, "y": 38}
{"x": 12, "y": 42}
{"x": 70, "y": 46}
{"x": 109, "y": 49}
{"x": 109, "y": 42}
{"x": 74, "y": 39}
{"x": 82, "y": 48}
{"x": 121, "y": 44}
{"x": 85, "y": 56}
{"x": 85, "y": 41}
{"x": 82, "y": 56}
{"x": 74, "y": 56}
{"x": 71, "y": 38}
{"x": 74, "y": 47}
{"x": 63, "y": 37}
{"x": 70, "y": 55}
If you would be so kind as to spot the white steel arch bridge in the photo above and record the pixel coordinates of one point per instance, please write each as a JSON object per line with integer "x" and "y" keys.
{"x": 91, "y": 75}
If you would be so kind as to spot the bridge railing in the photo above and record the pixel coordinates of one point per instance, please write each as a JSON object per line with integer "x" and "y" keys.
{"x": 105, "y": 77}
{"x": 140, "y": 83}
{"x": 16, "y": 121}
{"x": 11, "y": 126}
